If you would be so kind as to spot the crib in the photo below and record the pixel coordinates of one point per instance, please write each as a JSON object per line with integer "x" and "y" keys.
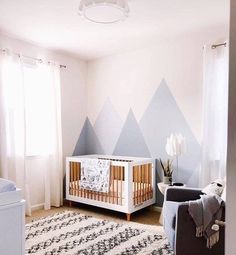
{"x": 132, "y": 184}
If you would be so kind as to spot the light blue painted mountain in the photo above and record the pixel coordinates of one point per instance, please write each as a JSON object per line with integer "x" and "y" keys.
{"x": 88, "y": 142}
{"x": 108, "y": 127}
{"x": 131, "y": 141}
{"x": 163, "y": 117}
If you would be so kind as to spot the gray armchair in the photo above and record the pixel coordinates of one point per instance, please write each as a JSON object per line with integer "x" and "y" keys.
{"x": 180, "y": 228}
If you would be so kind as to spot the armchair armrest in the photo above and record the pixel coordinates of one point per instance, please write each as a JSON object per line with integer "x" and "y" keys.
{"x": 182, "y": 194}
{"x": 185, "y": 236}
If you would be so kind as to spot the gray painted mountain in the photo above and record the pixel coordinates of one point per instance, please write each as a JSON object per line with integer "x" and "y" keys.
{"x": 162, "y": 118}
{"x": 88, "y": 142}
{"x": 131, "y": 141}
{"x": 108, "y": 127}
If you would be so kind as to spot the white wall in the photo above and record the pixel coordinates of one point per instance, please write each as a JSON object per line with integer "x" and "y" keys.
{"x": 130, "y": 79}
{"x": 73, "y": 98}
{"x": 231, "y": 162}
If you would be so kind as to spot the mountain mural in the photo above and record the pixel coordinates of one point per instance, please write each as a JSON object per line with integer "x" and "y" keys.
{"x": 131, "y": 141}
{"x": 144, "y": 139}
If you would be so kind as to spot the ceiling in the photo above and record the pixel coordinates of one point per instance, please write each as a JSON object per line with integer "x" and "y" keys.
{"x": 55, "y": 24}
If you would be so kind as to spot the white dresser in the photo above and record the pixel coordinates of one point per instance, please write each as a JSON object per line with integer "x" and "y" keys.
{"x": 12, "y": 223}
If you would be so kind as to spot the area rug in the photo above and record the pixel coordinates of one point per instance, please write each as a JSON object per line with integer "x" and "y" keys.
{"x": 72, "y": 233}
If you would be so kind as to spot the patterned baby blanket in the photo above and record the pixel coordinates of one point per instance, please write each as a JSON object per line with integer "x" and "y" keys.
{"x": 95, "y": 175}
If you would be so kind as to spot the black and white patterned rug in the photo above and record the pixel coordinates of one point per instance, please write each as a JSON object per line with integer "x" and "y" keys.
{"x": 72, "y": 233}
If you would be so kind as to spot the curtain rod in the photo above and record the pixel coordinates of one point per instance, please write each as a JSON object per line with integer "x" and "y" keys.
{"x": 218, "y": 45}
{"x": 37, "y": 59}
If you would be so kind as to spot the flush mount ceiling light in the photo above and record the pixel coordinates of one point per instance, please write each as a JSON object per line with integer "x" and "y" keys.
{"x": 104, "y": 11}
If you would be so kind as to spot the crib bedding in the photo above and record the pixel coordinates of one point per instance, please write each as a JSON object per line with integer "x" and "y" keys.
{"x": 6, "y": 185}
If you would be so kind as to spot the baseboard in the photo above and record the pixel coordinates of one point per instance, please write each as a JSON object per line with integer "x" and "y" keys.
{"x": 37, "y": 207}
{"x": 157, "y": 208}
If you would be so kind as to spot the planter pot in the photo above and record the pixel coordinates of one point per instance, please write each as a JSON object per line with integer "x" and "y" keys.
{"x": 167, "y": 179}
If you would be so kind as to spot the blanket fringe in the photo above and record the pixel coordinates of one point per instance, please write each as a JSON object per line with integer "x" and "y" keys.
{"x": 213, "y": 239}
{"x": 199, "y": 231}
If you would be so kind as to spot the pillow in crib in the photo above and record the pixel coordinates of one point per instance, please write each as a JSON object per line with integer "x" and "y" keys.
{"x": 216, "y": 188}
{"x": 6, "y": 185}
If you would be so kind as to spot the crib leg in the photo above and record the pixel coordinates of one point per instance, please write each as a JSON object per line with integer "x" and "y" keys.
{"x": 128, "y": 216}
{"x": 70, "y": 203}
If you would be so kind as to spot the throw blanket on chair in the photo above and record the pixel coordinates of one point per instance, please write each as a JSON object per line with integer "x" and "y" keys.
{"x": 204, "y": 212}
{"x": 95, "y": 175}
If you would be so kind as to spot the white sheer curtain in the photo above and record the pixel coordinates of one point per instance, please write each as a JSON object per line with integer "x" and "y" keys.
{"x": 30, "y": 125}
{"x": 215, "y": 114}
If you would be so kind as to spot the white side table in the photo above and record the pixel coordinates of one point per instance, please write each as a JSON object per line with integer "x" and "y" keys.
{"x": 162, "y": 187}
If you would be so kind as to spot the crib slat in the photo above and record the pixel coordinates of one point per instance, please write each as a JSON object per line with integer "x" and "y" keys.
{"x": 121, "y": 185}
{"x": 76, "y": 179}
{"x": 150, "y": 167}
{"x": 136, "y": 184}
{"x": 70, "y": 178}
{"x": 113, "y": 188}
{"x": 145, "y": 183}
{"x": 73, "y": 174}
{"x": 117, "y": 184}
{"x": 75, "y": 165}
{"x": 136, "y": 181}
{"x": 142, "y": 190}
{"x": 106, "y": 195}
{"x": 110, "y": 186}
{"x": 150, "y": 181}
{"x": 139, "y": 184}
{"x": 73, "y": 184}
{"x": 81, "y": 191}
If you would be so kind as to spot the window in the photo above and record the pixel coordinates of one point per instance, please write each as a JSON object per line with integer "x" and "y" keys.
{"x": 39, "y": 116}
{"x": 32, "y": 106}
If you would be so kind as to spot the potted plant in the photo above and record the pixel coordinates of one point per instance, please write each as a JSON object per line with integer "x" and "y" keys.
{"x": 167, "y": 171}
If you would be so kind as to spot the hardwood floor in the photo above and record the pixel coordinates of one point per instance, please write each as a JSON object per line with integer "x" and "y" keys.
{"x": 145, "y": 216}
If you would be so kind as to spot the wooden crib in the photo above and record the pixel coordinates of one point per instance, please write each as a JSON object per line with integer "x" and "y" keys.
{"x": 132, "y": 184}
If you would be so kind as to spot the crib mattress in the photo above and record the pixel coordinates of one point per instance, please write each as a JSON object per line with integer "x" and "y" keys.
{"x": 10, "y": 197}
